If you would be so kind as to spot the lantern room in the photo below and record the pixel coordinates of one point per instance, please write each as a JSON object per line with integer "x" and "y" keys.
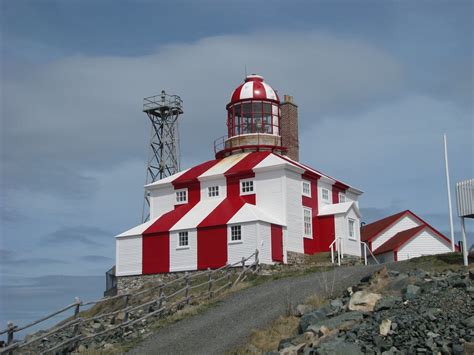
{"x": 253, "y": 119}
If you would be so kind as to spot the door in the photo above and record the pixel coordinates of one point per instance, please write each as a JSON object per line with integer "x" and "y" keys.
{"x": 277, "y": 243}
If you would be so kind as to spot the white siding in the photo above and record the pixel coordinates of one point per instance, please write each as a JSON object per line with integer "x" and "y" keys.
{"x": 213, "y": 182}
{"x": 402, "y": 224}
{"x": 270, "y": 195}
{"x": 350, "y": 196}
{"x": 324, "y": 185}
{"x": 387, "y": 257}
{"x": 128, "y": 254}
{"x": 162, "y": 200}
{"x": 244, "y": 248}
{"x": 294, "y": 215}
{"x": 183, "y": 258}
{"x": 264, "y": 243}
{"x": 425, "y": 243}
{"x": 350, "y": 246}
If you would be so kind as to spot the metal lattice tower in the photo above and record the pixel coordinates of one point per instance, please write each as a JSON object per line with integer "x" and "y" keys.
{"x": 163, "y": 111}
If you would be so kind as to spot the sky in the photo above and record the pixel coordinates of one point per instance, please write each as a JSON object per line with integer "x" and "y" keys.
{"x": 377, "y": 83}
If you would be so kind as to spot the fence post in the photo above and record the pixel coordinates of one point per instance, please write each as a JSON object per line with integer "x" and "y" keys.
{"x": 365, "y": 253}
{"x": 78, "y": 303}
{"x": 186, "y": 291}
{"x": 229, "y": 276}
{"x": 243, "y": 264}
{"x": 257, "y": 262}
{"x": 161, "y": 297}
{"x": 125, "y": 319}
{"x": 209, "y": 290}
{"x": 11, "y": 331}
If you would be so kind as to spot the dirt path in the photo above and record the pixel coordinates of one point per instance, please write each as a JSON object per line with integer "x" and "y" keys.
{"x": 227, "y": 325}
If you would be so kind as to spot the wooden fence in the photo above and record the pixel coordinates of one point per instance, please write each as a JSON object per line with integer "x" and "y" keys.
{"x": 170, "y": 297}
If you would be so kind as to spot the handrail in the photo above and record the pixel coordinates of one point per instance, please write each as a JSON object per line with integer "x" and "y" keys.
{"x": 337, "y": 242}
{"x": 366, "y": 247}
{"x": 11, "y": 329}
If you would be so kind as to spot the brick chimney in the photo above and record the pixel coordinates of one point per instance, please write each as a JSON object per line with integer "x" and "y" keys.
{"x": 289, "y": 127}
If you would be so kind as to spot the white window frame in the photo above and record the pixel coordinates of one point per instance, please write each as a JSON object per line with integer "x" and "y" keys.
{"x": 310, "y": 211}
{"x": 177, "y": 192}
{"x": 303, "y": 184}
{"x": 238, "y": 230}
{"x": 183, "y": 234}
{"x": 323, "y": 190}
{"x": 244, "y": 181}
{"x": 213, "y": 191}
{"x": 343, "y": 195}
{"x": 354, "y": 233}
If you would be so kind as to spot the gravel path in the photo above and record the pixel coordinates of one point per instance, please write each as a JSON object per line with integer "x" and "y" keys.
{"x": 227, "y": 325}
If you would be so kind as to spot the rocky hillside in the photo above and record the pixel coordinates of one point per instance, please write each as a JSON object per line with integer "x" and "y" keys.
{"x": 413, "y": 312}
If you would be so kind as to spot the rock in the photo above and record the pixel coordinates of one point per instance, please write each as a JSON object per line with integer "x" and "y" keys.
{"x": 337, "y": 304}
{"x": 393, "y": 273}
{"x": 120, "y": 317}
{"x": 81, "y": 348}
{"x": 363, "y": 301}
{"x": 384, "y": 327}
{"x": 399, "y": 283}
{"x": 387, "y": 303}
{"x": 292, "y": 350}
{"x": 471, "y": 274}
{"x": 302, "y": 309}
{"x": 339, "y": 347}
{"x": 461, "y": 284}
{"x": 412, "y": 291}
{"x": 335, "y": 322}
{"x": 323, "y": 330}
{"x": 468, "y": 322}
{"x": 392, "y": 351}
{"x": 309, "y": 337}
{"x": 394, "y": 326}
{"x": 458, "y": 349}
{"x": 310, "y": 318}
{"x": 284, "y": 343}
{"x": 97, "y": 327}
{"x": 108, "y": 346}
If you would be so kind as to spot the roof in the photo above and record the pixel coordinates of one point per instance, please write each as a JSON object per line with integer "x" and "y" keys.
{"x": 338, "y": 208}
{"x": 249, "y": 213}
{"x": 238, "y": 164}
{"x": 254, "y": 88}
{"x": 372, "y": 230}
{"x": 137, "y": 230}
{"x": 399, "y": 239}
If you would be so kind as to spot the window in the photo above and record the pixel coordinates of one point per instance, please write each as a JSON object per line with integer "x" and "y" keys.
{"x": 306, "y": 188}
{"x": 235, "y": 233}
{"x": 182, "y": 196}
{"x": 308, "y": 224}
{"x": 213, "y": 191}
{"x": 352, "y": 229}
{"x": 246, "y": 187}
{"x": 325, "y": 194}
{"x": 342, "y": 197}
{"x": 183, "y": 240}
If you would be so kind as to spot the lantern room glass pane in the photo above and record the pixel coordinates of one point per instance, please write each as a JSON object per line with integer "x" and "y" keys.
{"x": 267, "y": 124}
{"x": 267, "y": 108}
{"x": 247, "y": 118}
{"x": 237, "y": 121}
{"x": 275, "y": 109}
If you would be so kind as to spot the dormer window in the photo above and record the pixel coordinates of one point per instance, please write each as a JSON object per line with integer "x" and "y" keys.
{"x": 325, "y": 194}
{"x": 246, "y": 187}
{"x": 181, "y": 196}
{"x": 342, "y": 197}
{"x": 306, "y": 187}
{"x": 213, "y": 191}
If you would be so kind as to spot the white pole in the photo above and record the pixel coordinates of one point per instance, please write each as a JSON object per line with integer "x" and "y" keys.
{"x": 448, "y": 183}
{"x": 464, "y": 242}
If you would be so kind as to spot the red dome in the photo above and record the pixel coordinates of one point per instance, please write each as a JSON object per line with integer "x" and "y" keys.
{"x": 254, "y": 88}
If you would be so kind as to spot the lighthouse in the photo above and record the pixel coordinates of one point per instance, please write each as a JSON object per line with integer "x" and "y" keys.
{"x": 254, "y": 194}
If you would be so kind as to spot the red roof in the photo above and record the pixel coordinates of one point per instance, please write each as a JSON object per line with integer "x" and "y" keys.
{"x": 372, "y": 230}
{"x": 399, "y": 239}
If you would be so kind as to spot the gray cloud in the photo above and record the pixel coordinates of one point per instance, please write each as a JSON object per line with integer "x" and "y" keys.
{"x": 96, "y": 258}
{"x": 12, "y": 258}
{"x": 84, "y": 113}
{"x": 84, "y": 235}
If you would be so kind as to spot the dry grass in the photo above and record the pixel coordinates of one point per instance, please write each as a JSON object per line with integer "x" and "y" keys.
{"x": 264, "y": 340}
{"x": 316, "y": 301}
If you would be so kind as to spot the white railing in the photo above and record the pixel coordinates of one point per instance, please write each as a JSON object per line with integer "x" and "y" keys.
{"x": 338, "y": 245}
{"x": 366, "y": 247}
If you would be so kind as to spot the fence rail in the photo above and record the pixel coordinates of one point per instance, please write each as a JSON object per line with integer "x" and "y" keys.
{"x": 163, "y": 303}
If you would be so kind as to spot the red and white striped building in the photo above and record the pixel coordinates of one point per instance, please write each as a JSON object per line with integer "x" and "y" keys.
{"x": 253, "y": 195}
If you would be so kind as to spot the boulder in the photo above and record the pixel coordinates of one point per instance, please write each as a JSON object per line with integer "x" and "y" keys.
{"x": 293, "y": 350}
{"x": 363, "y": 301}
{"x": 384, "y": 327}
{"x": 337, "y": 304}
{"x": 302, "y": 309}
{"x": 388, "y": 302}
{"x": 310, "y": 318}
{"x": 412, "y": 291}
{"x": 468, "y": 322}
{"x": 338, "y": 346}
{"x": 335, "y": 322}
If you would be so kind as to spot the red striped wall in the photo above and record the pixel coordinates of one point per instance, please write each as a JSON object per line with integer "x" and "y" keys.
{"x": 211, "y": 247}
{"x": 311, "y": 245}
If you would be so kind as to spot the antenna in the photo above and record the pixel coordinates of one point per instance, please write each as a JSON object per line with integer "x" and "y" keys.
{"x": 163, "y": 111}
{"x": 448, "y": 183}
